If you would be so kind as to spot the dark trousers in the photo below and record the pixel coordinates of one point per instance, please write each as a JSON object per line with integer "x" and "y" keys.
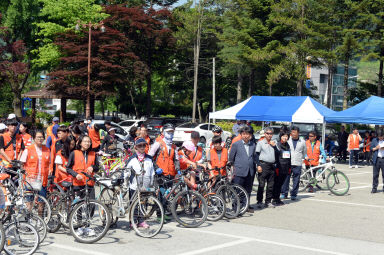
{"x": 342, "y": 151}
{"x": 376, "y": 172}
{"x": 245, "y": 182}
{"x": 296, "y": 173}
{"x": 353, "y": 157}
{"x": 279, "y": 181}
{"x": 266, "y": 176}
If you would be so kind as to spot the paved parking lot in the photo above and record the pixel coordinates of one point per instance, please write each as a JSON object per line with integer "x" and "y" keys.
{"x": 318, "y": 223}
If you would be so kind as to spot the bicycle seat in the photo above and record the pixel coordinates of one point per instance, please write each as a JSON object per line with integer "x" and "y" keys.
{"x": 66, "y": 184}
{"x": 4, "y": 176}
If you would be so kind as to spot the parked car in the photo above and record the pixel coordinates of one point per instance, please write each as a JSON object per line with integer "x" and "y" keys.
{"x": 305, "y": 128}
{"x": 183, "y": 132}
{"x": 155, "y": 124}
{"x": 127, "y": 124}
{"x": 120, "y": 132}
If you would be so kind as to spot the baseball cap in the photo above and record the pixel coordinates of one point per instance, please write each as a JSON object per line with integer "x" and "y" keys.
{"x": 169, "y": 127}
{"x": 189, "y": 145}
{"x": 11, "y": 116}
{"x": 55, "y": 119}
{"x": 2, "y": 126}
{"x": 140, "y": 140}
{"x": 262, "y": 133}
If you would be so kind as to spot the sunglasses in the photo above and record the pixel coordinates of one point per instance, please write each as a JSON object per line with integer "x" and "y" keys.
{"x": 141, "y": 146}
{"x": 311, "y": 136}
{"x": 269, "y": 133}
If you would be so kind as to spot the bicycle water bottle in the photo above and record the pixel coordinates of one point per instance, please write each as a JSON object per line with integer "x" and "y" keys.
{"x": 77, "y": 199}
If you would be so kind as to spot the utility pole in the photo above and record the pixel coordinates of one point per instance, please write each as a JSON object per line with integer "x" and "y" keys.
{"x": 213, "y": 87}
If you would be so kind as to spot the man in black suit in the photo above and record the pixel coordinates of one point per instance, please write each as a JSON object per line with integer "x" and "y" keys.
{"x": 243, "y": 158}
{"x": 342, "y": 139}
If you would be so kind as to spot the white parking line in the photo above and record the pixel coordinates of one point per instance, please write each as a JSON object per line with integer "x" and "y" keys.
{"x": 77, "y": 250}
{"x": 361, "y": 187}
{"x": 345, "y": 203}
{"x": 359, "y": 173}
{"x": 244, "y": 239}
{"x": 217, "y": 247}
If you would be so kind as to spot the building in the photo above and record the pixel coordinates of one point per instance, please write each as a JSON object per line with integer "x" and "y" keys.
{"x": 319, "y": 81}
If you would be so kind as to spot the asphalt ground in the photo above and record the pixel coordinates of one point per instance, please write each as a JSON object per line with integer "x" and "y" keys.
{"x": 317, "y": 223}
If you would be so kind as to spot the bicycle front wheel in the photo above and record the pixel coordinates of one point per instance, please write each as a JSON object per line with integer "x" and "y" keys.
{"x": 110, "y": 199}
{"x": 338, "y": 183}
{"x": 243, "y": 196}
{"x": 21, "y": 238}
{"x": 39, "y": 224}
{"x": 40, "y": 206}
{"x": 232, "y": 201}
{"x": 216, "y": 207}
{"x": 189, "y": 209}
{"x": 55, "y": 200}
{"x": 147, "y": 216}
{"x": 89, "y": 221}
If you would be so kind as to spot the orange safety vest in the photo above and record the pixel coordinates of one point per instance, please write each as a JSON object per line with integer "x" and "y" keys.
{"x": 49, "y": 130}
{"x": 81, "y": 166}
{"x": 367, "y": 141}
{"x": 237, "y": 138}
{"x": 27, "y": 139}
{"x": 353, "y": 142}
{"x": 313, "y": 154}
{"x": 32, "y": 163}
{"x": 9, "y": 150}
{"x": 60, "y": 175}
{"x": 164, "y": 159}
{"x": 95, "y": 137}
{"x": 196, "y": 156}
{"x": 215, "y": 162}
{"x": 183, "y": 164}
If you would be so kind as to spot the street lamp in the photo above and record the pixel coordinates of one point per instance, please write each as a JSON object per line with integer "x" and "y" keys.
{"x": 89, "y": 25}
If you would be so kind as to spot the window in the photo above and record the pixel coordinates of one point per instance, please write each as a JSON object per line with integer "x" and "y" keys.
{"x": 323, "y": 77}
{"x": 127, "y": 123}
{"x": 119, "y": 130}
{"x": 188, "y": 125}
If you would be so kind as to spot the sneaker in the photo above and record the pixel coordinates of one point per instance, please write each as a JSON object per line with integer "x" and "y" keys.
{"x": 374, "y": 191}
{"x": 277, "y": 202}
{"x": 293, "y": 198}
{"x": 143, "y": 225}
{"x": 356, "y": 166}
{"x": 90, "y": 232}
{"x": 80, "y": 231}
{"x": 266, "y": 204}
{"x": 283, "y": 196}
{"x": 259, "y": 205}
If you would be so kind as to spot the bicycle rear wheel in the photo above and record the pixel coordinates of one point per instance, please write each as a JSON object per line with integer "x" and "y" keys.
{"x": 89, "y": 221}
{"x": 110, "y": 199}
{"x": 147, "y": 216}
{"x": 216, "y": 207}
{"x": 232, "y": 201}
{"x": 189, "y": 209}
{"x": 39, "y": 224}
{"x": 322, "y": 180}
{"x": 40, "y": 207}
{"x": 304, "y": 181}
{"x": 2, "y": 237}
{"x": 55, "y": 200}
{"x": 21, "y": 238}
{"x": 338, "y": 183}
{"x": 243, "y": 196}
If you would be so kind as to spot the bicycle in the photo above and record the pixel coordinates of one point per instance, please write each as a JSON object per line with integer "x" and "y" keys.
{"x": 188, "y": 207}
{"x": 110, "y": 162}
{"x": 141, "y": 206}
{"x": 325, "y": 177}
{"x": 20, "y": 237}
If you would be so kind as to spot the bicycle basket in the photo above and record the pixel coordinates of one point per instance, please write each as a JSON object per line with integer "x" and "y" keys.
{"x": 34, "y": 182}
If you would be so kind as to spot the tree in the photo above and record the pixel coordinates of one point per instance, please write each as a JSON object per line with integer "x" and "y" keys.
{"x": 14, "y": 71}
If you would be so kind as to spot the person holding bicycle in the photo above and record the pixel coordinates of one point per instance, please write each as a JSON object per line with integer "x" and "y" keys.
{"x": 11, "y": 144}
{"x": 61, "y": 160}
{"x": 186, "y": 160}
{"x": 139, "y": 162}
{"x": 36, "y": 160}
{"x": 217, "y": 157}
{"x": 314, "y": 150}
{"x": 83, "y": 159}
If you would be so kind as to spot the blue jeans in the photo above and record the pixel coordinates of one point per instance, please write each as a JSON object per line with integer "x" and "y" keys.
{"x": 42, "y": 192}
{"x": 353, "y": 155}
{"x": 295, "y": 172}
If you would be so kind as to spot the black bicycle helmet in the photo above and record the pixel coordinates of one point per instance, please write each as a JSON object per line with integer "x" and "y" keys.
{"x": 217, "y": 129}
{"x": 168, "y": 126}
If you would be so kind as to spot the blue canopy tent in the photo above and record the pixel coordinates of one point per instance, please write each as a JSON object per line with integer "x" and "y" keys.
{"x": 277, "y": 108}
{"x": 370, "y": 111}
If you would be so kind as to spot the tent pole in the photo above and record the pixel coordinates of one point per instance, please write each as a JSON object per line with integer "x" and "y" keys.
{"x": 323, "y": 134}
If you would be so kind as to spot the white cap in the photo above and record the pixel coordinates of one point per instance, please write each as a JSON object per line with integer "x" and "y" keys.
{"x": 2, "y": 126}
{"x": 11, "y": 116}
